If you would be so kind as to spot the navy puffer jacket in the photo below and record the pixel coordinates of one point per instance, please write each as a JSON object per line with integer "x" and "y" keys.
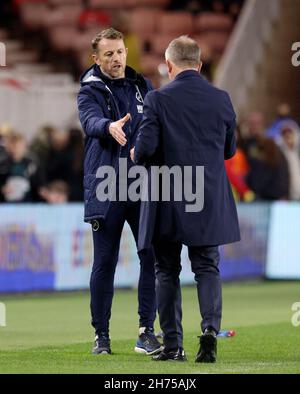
{"x": 100, "y": 102}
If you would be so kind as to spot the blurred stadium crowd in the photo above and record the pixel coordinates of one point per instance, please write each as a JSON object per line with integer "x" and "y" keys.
{"x": 49, "y": 167}
{"x": 266, "y": 166}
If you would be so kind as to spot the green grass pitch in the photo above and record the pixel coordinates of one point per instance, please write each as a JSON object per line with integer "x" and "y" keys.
{"x": 52, "y": 333}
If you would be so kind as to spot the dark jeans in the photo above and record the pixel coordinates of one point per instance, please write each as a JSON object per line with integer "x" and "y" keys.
{"x": 205, "y": 261}
{"x": 106, "y": 250}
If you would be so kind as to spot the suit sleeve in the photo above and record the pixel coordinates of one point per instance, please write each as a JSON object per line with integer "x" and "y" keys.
{"x": 148, "y": 138}
{"x": 91, "y": 116}
{"x": 230, "y": 124}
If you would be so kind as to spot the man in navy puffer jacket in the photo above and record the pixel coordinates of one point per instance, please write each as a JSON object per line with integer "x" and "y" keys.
{"x": 110, "y": 104}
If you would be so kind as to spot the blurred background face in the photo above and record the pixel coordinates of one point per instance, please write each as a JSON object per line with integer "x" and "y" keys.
{"x": 255, "y": 124}
{"x": 17, "y": 148}
{"x": 289, "y": 137}
{"x": 111, "y": 57}
{"x": 59, "y": 139}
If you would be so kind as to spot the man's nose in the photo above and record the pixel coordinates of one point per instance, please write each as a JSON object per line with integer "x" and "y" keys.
{"x": 116, "y": 57}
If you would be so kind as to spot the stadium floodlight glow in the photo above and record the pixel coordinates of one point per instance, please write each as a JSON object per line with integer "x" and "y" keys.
{"x": 2, "y": 315}
{"x": 2, "y": 54}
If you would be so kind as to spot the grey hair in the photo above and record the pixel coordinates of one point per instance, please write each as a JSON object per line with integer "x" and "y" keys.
{"x": 184, "y": 52}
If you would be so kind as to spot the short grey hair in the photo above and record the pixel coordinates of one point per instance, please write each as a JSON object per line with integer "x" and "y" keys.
{"x": 184, "y": 52}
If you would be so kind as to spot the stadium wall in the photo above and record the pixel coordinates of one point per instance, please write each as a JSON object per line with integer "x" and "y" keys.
{"x": 45, "y": 248}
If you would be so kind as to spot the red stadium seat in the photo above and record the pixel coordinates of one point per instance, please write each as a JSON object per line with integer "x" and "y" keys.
{"x": 216, "y": 41}
{"x": 150, "y": 63}
{"x": 62, "y": 38}
{"x": 176, "y": 23}
{"x": 209, "y": 21}
{"x": 143, "y": 20}
{"x": 121, "y": 4}
{"x": 83, "y": 40}
{"x": 65, "y": 15}
{"x": 149, "y": 3}
{"x": 33, "y": 14}
{"x": 160, "y": 42}
{"x": 84, "y": 59}
{"x": 64, "y": 2}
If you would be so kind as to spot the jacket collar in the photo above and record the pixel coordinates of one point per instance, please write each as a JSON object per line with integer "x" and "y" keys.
{"x": 94, "y": 74}
{"x": 187, "y": 74}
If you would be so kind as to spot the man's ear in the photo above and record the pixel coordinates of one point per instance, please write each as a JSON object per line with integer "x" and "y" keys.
{"x": 169, "y": 65}
{"x": 96, "y": 59}
{"x": 200, "y": 66}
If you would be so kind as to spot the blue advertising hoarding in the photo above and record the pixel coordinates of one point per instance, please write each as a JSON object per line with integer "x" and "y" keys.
{"x": 49, "y": 247}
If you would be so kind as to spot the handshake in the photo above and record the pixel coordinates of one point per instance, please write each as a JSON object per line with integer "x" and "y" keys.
{"x": 116, "y": 131}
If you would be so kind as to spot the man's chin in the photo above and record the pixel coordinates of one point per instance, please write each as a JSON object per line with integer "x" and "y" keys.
{"x": 118, "y": 73}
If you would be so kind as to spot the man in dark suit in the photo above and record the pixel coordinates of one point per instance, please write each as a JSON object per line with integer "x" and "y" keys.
{"x": 191, "y": 125}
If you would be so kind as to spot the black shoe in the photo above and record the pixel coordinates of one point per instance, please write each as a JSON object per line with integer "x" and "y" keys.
{"x": 102, "y": 345}
{"x": 173, "y": 355}
{"x": 208, "y": 347}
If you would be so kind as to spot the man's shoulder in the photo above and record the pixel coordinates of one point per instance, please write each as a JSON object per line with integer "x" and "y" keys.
{"x": 93, "y": 90}
{"x": 214, "y": 89}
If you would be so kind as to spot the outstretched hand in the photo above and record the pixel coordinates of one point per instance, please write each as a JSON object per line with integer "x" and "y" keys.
{"x": 116, "y": 130}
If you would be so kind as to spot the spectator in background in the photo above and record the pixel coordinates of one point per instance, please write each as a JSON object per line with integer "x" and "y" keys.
{"x": 23, "y": 176}
{"x": 289, "y": 144}
{"x": 61, "y": 156}
{"x": 77, "y": 150}
{"x": 56, "y": 192}
{"x": 254, "y": 125}
{"x": 283, "y": 115}
{"x": 40, "y": 145}
{"x": 4, "y": 157}
{"x": 268, "y": 175}
{"x": 237, "y": 169}
{"x": 59, "y": 159}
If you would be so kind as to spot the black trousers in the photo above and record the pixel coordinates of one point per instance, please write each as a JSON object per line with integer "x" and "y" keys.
{"x": 106, "y": 241}
{"x": 205, "y": 261}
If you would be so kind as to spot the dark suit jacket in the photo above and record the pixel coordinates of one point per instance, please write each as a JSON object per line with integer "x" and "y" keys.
{"x": 189, "y": 123}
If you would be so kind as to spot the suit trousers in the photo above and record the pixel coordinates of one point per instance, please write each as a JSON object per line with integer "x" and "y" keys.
{"x": 204, "y": 264}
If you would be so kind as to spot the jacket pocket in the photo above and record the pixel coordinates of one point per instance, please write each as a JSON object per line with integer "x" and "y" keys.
{"x": 89, "y": 183}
